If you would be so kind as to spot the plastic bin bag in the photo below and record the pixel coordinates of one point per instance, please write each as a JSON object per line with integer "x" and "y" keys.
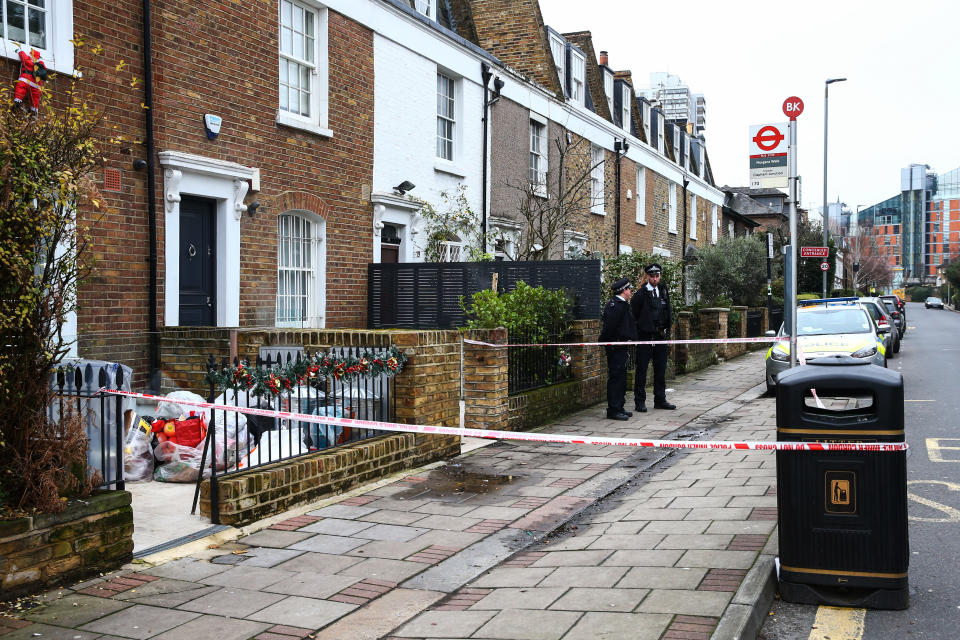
{"x": 179, "y": 463}
{"x": 137, "y": 455}
{"x": 173, "y": 411}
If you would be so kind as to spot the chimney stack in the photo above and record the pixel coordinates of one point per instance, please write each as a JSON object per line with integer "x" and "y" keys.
{"x": 604, "y": 59}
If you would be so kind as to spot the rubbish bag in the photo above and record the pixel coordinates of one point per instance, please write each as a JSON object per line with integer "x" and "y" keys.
{"x": 179, "y": 463}
{"x": 172, "y": 410}
{"x": 320, "y": 436}
{"x": 137, "y": 454}
{"x": 188, "y": 432}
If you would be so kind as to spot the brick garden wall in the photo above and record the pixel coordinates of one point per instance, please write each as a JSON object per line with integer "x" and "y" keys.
{"x": 91, "y": 536}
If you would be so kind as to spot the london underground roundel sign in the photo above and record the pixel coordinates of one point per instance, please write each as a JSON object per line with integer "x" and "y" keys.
{"x": 792, "y": 107}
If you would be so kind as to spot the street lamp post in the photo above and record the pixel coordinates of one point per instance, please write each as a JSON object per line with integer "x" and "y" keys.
{"x": 826, "y": 215}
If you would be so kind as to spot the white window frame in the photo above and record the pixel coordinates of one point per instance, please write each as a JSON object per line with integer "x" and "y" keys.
{"x": 509, "y": 231}
{"x": 693, "y": 217}
{"x": 646, "y": 122}
{"x": 626, "y": 99}
{"x": 58, "y": 53}
{"x": 312, "y": 289}
{"x": 597, "y": 167}
{"x": 578, "y": 77}
{"x": 423, "y": 7}
{"x": 609, "y": 88}
{"x": 317, "y": 121}
{"x": 558, "y": 48}
{"x": 676, "y": 143}
{"x": 452, "y": 250}
{"x": 714, "y": 225}
{"x": 661, "y": 147}
{"x": 641, "y": 195}
{"x": 450, "y": 117}
{"x": 538, "y": 156}
{"x": 672, "y": 209}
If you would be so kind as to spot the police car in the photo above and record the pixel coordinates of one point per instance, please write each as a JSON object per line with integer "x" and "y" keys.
{"x": 828, "y": 327}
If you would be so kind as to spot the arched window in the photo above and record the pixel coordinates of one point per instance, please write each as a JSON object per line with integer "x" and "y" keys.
{"x": 301, "y": 270}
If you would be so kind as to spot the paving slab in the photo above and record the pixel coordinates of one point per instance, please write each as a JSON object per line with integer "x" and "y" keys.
{"x": 377, "y": 619}
{"x": 333, "y": 545}
{"x": 76, "y": 609}
{"x": 445, "y": 624}
{"x": 171, "y": 599}
{"x": 619, "y": 626}
{"x": 573, "y": 558}
{"x": 384, "y": 569}
{"x": 584, "y": 577}
{"x": 718, "y": 559}
{"x": 392, "y": 532}
{"x": 273, "y": 538}
{"x": 512, "y": 577}
{"x": 140, "y": 621}
{"x": 514, "y": 598}
{"x": 642, "y": 540}
{"x": 307, "y": 613}
{"x": 189, "y": 569}
{"x": 336, "y": 527}
{"x": 266, "y": 557}
{"x": 49, "y": 632}
{"x": 313, "y": 585}
{"x": 663, "y": 578}
{"x": 248, "y": 577}
{"x": 686, "y": 602}
{"x": 391, "y": 516}
{"x": 231, "y": 602}
{"x": 214, "y": 628}
{"x": 514, "y": 624}
{"x": 343, "y": 511}
{"x": 596, "y": 599}
{"x": 643, "y": 558}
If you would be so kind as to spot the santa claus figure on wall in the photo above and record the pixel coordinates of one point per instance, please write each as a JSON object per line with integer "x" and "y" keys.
{"x": 33, "y": 72}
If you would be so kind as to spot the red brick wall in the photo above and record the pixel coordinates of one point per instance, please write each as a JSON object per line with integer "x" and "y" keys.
{"x": 219, "y": 58}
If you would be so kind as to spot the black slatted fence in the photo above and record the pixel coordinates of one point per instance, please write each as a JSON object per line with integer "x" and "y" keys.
{"x": 427, "y": 295}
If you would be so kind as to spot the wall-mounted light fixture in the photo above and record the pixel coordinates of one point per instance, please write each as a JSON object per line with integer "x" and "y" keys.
{"x": 403, "y": 187}
{"x": 252, "y": 208}
{"x": 139, "y": 164}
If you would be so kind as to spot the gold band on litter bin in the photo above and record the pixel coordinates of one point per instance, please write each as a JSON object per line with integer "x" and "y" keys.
{"x": 860, "y": 574}
{"x": 845, "y": 432}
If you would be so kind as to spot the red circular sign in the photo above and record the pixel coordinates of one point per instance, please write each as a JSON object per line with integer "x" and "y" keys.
{"x": 792, "y": 107}
{"x": 824, "y": 266}
{"x": 768, "y": 138}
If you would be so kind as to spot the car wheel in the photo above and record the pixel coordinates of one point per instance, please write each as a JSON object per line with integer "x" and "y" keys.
{"x": 896, "y": 347}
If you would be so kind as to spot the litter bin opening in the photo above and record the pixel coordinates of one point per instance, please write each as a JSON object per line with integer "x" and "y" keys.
{"x": 845, "y": 402}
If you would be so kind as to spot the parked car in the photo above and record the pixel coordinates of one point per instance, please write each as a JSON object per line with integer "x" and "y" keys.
{"x": 898, "y": 318}
{"x": 899, "y": 302}
{"x": 886, "y": 325}
{"x": 933, "y": 303}
{"x": 832, "y": 327}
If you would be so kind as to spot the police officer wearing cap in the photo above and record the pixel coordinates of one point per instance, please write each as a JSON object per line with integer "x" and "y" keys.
{"x": 651, "y": 311}
{"x": 618, "y": 326}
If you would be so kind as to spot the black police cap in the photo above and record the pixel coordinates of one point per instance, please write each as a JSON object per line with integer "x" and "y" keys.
{"x": 653, "y": 270}
{"x": 620, "y": 285}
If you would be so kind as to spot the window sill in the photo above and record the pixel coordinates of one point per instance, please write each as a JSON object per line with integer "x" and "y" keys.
{"x": 286, "y": 120}
{"x": 444, "y": 166}
{"x": 643, "y": 222}
{"x": 673, "y": 231}
{"x": 598, "y": 212}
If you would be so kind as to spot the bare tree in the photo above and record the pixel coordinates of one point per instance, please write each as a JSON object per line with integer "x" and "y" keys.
{"x": 553, "y": 202}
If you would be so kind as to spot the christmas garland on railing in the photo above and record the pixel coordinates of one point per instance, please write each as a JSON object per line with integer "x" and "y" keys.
{"x": 311, "y": 370}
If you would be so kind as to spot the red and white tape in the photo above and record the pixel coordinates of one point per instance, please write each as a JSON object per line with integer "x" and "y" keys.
{"x": 523, "y": 435}
{"x": 630, "y": 343}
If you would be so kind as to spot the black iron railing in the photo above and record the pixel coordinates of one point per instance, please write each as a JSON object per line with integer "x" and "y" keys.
{"x": 534, "y": 367}
{"x": 236, "y": 444}
{"x": 76, "y": 391}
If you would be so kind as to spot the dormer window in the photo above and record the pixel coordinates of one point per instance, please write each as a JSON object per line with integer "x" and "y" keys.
{"x": 577, "y": 77}
{"x": 625, "y": 107}
{"x": 609, "y": 90}
{"x": 558, "y": 47}
{"x": 422, "y": 6}
{"x": 646, "y": 121}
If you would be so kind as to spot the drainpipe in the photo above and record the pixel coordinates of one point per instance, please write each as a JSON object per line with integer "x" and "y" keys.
{"x": 683, "y": 256}
{"x": 154, "y": 340}
{"x": 485, "y": 75}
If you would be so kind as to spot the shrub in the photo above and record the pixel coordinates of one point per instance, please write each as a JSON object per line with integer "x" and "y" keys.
{"x": 631, "y": 265}
{"x": 532, "y": 313}
{"x": 733, "y": 268}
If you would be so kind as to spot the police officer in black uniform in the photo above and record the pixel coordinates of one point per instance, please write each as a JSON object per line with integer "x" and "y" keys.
{"x": 618, "y": 326}
{"x": 651, "y": 311}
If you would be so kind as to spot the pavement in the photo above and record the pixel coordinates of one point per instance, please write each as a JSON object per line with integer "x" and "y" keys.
{"x": 513, "y": 541}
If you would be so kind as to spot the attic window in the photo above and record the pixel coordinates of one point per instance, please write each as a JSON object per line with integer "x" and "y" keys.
{"x": 625, "y": 107}
{"x": 577, "y": 77}
{"x": 422, "y": 6}
{"x": 559, "y": 50}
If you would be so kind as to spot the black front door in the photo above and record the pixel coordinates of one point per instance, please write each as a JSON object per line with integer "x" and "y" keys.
{"x": 198, "y": 276}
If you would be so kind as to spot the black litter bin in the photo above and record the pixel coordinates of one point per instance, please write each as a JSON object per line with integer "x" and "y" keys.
{"x": 842, "y": 514}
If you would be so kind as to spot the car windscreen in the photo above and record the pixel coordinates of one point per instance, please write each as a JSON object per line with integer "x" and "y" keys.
{"x": 818, "y": 322}
{"x": 891, "y": 307}
{"x": 934, "y": 300}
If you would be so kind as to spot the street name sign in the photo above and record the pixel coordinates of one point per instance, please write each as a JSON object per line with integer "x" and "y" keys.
{"x": 814, "y": 252}
{"x": 768, "y": 156}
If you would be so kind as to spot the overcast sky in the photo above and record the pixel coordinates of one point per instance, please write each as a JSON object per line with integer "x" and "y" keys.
{"x": 900, "y": 104}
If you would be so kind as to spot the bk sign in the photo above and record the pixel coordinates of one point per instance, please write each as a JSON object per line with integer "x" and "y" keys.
{"x": 792, "y": 107}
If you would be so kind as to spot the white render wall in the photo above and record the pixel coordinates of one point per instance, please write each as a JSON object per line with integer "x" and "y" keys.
{"x": 405, "y": 128}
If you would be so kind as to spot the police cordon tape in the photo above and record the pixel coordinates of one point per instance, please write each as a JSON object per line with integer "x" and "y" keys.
{"x": 523, "y": 435}
{"x": 631, "y": 342}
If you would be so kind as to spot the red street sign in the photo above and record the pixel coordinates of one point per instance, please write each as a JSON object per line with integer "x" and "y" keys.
{"x": 814, "y": 252}
{"x": 768, "y": 138}
{"x": 792, "y": 107}
{"x": 824, "y": 266}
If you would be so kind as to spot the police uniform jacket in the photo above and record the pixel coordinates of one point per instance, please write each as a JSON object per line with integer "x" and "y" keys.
{"x": 652, "y": 314}
{"x": 618, "y": 325}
